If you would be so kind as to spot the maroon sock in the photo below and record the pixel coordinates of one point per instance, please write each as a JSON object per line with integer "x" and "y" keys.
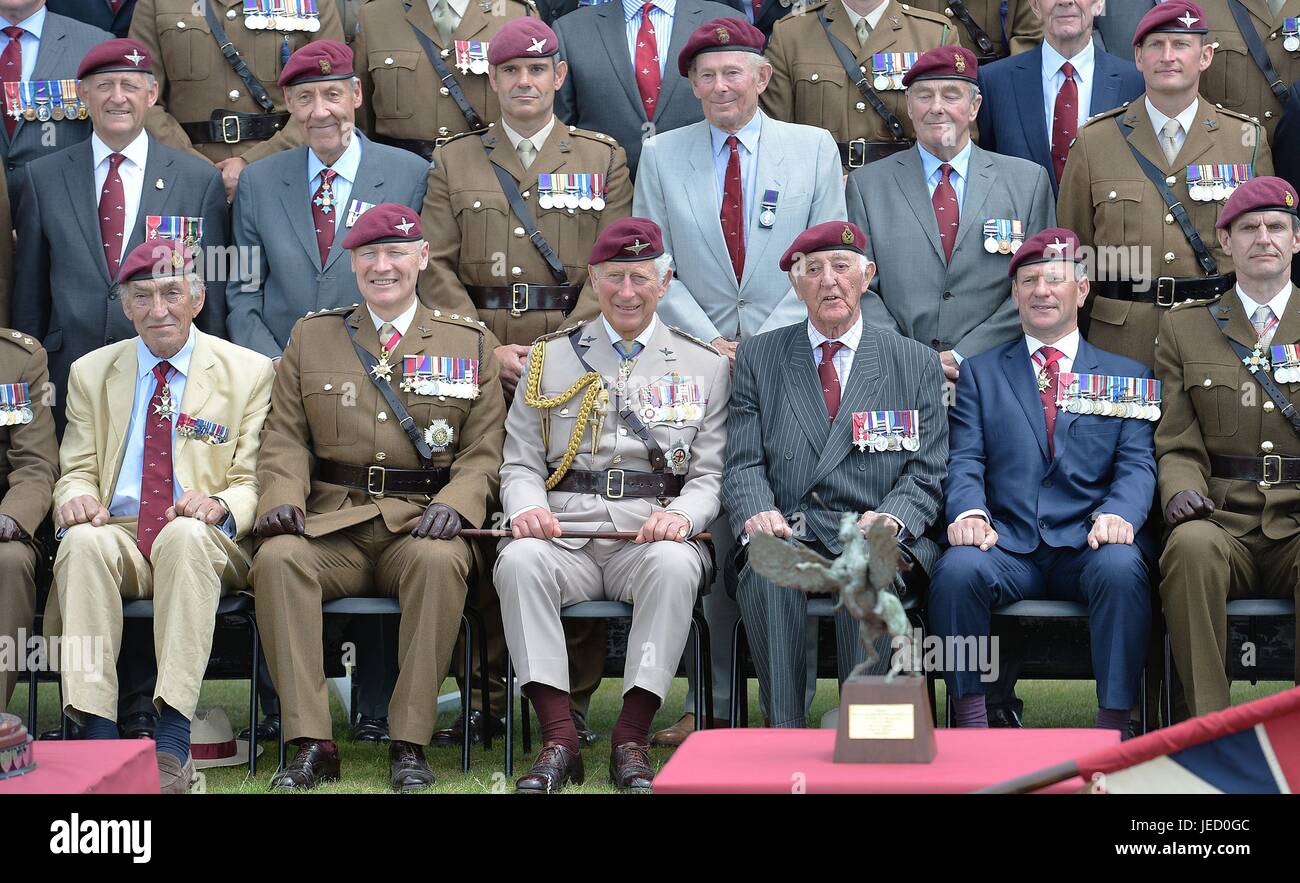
{"x": 553, "y": 715}
{"x": 970, "y": 711}
{"x": 633, "y": 724}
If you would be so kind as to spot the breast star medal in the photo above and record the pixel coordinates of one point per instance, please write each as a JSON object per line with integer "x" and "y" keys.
{"x": 1043, "y": 381}
{"x": 166, "y": 407}
{"x": 382, "y": 370}
{"x": 1256, "y": 361}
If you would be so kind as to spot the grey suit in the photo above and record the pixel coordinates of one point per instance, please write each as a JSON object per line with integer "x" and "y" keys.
{"x": 600, "y": 92}
{"x": 782, "y": 449}
{"x": 65, "y": 299}
{"x": 64, "y": 42}
{"x": 1119, "y": 23}
{"x": 963, "y": 304}
{"x": 273, "y": 199}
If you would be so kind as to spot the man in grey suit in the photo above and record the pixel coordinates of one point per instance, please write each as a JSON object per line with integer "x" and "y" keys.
{"x": 38, "y": 51}
{"x": 828, "y": 416}
{"x": 1117, "y": 22}
{"x": 611, "y": 91}
{"x": 945, "y": 217}
{"x": 287, "y": 276}
{"x": 730, "y": 192}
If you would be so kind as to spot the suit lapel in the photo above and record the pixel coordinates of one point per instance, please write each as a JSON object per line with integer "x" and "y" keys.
{"x": 296, "y": 199}
{"x": 79, "y": 176}
{"x": 805, "y": 395}
{"x": 474, "y": 20}
{"x": 120, "y": 391}
{"x": 769, "y": 174}
{"x": 152, "y": 200}
{"x": 416, "y": 341}
{"x": 1085, "y": 362}
{"x": 51, "y": 63}
{"x": 368, "y": 187}
{"x": 501, "y": 154}
{"x": 1027, "y": 81}
{"x": 418, "y": 15}
{"x": 1144, "y": 136}
{"x": 613, "y": 36}
{"x": 701, "y": 189}
{"x": 1239, "y": 327}
{"x": 842, "y": 27}
{"x": 883, "y": 37}
{"x": 685, "y": 21}
{"x": 1199, "y": 139}
{"x": 916, "y": 195}
{"x": 551, "y": 155}
{"x": 198, "y": 387}
{"x": 1288, "y": 328}
{"x": 1019, "y": 371}
{"x": 1105, "y": 84}
{"x": 979, "y": 181}
{"x": 367, "y": 333}
{"x": 864, "y": 379}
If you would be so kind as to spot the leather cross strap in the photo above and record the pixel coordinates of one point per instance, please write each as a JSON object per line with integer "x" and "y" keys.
{"x": 658, "y": 462}
{"x": 1261, "y": 377}
{"x": 449, "y": 80}
{"x": 1257, "y": 51}
{"x": 982, "y": 40}
{"x": 851, "y": 67}
{"x": 510, "y": 187}
{"x": 255, "y": 87}
{"x": 403, "y": 416}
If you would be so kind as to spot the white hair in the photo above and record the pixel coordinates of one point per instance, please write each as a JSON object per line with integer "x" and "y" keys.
{"x": 197, "y": 286}
{"x": 753, "y": 60}
{"x": 663, "y": 264}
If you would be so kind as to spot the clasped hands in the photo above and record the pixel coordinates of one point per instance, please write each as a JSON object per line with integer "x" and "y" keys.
{"x": 86, "y": 509}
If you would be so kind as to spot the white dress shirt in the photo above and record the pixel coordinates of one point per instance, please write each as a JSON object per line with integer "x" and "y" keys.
{"x": 748, "y": 150}
{"x": 1277, "y": 304}
{"x": 401, "y": 323}
{"x": 661, "y": 19}
{"x": 345, "y": 168}
{"x": 842, "y": 360}
{"x": 873, "y": 17}
{"x": 1054, "y": 79}
{"x": 29, "y": 43}
{"x": 538, "y": 138}
{"x": 132, "y": 173}
{"x": 643, "y": 338}
{"x": 1185, "y": 120}
{"x": 457, "y": 6}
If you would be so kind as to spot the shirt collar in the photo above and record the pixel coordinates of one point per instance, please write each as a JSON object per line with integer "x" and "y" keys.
{"x": 346, "y": 165}
{"x": 1068, "y": 345}
{"x": 137, "y": 151}
{"x": 873, "y": 17}
{"x": 145, "y": 360}
{"x": 1185, "y": 119}
{"x": 632, "y": 8}
{"x": 747, "y": 136}
{"x": 538, "y": 139}
{"x": 850, "y": 338}
{"x": 930, "y": 163}
{"x": 1083, "y": 62}
{"x": 1277, "y": 304}
{"x": 643, "y": 338}
{"x": 457, "y": 6}
{"x": 401, "y": 323}
{"x": 33, "y": 24}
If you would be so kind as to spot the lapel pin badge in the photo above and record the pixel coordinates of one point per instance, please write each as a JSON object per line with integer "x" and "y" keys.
{"x": 159, "y": 185}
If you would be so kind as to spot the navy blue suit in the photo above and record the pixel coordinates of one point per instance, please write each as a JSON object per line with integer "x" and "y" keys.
{"x": 1012, "y": 119}
{"x": 1042, "y": 510}
{"x": 97, "y": 13}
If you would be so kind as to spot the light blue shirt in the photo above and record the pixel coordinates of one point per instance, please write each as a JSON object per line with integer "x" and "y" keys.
{"x": 960, "y": 163}
{"x": 1053, "y": 80}
{"x": 748, "y": 148}
{"x": 661, "y": 18}
{"x": 346, "y": 167}
{"x": 29, "y": 43}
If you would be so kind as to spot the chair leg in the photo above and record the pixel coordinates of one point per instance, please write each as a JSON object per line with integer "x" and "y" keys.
{"x": 256, "y": 645}
{"x": 949, "y": 712}
{"x": 1142, "y": 706}
{"x": 510, "y": 717}
{"x": 699, "y": 676}
{"x": 1167, "y": 688}
{"x": 32, "y": 689}
{"x": 1252, "y": 637}
{"x": 739, "y": 715}
{"x": 704, "y": 645}
{"x": 526, "y": 723}
{"x": 465, "y": 687}
{"x": 476, "y": 624}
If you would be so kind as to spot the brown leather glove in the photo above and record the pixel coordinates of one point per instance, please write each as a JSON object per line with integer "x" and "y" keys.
{"x": 1187, "y": 505}
{"x": 440, "y": 522}
{"x": 281, "y": 520}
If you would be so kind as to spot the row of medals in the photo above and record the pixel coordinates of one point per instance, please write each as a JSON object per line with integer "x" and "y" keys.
{"x": 1004, "y": 246}
{"x": 1079, "y": 405}
{"x": 1216, "y": 192}
{"x": 45, "y": 113}
{"x": 893, "y": 442}
{"x": 281, "y": 23}
{"x": 15, "y": 416}
{"x": 571, "y": 200}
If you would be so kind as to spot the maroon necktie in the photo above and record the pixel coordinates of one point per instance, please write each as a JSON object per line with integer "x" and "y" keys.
{"x": 323, "y": 206}
{"x": 112, "y": 214}
{"x": 647, "y": 63}
{"x": 1045, "y": 360}
{"x": 11, "y": 67}
{"x": 829, "y": 379}
{"x": 1065, "y": 120}
{"x": 115, "y": 5}
{"x": 946, "y": 212}
{"x": 156, "y": 475}
{"x": 733, "y": 210}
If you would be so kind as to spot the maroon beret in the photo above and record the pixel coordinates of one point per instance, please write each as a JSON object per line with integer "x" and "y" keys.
{"x": 1052, "y": 244}
{"x": 318, "y": 60}
{"x": 628, "y": 239}
{"x": 830, "y": 236}
{"x": 720, "y": 35}
{"x": 116, "y": 55}
{"x": 386, "y": 222}
{"x": 1266, "y": 194}
{"x": 1172, "y": 17}
{"x": 944, "y": 63}
{"x": 156, "y": 259}
{"x": 524, "y": 37}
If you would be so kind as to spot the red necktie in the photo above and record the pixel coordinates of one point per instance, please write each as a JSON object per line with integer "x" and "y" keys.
{"x": 112, "y": 214}
{"x": 115, "y": 5}
{"x": 733, "y": 210}
{"x": 1045, "y": 360}
{"x": 647, "y": 63}
{"x": 156, "y": 476}
{"x": 11, "y": 67}
{"x": 829, "y": 379}
{"x": 389, "y": 337}
{"x": 323, "y": 206}
{"x": 1065, "y": 120}
{"x": 757, "y": 7}
{"x": 946, "y": 211}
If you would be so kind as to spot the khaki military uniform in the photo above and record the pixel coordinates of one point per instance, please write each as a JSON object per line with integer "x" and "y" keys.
{"x": 404, "y": 96}
{"x": 1250, "y": 545}
{"x": 325, "y": 407}
{"x": 1020, "y": 31}
{"x": 29, "y": 465}
{"x": 1234, "y": 81}
{"x": 810, "y": 86}
{"x": 1110, "y": 203}
{"x": 536, "y": 578}
{"x": 195, "y": 79}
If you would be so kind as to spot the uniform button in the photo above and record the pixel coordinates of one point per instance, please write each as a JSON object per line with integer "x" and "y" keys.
{"x": 328, "y": 387}
{"x": 1169, "y": 257}
{"x": 180, "y": 25}
{"x": 813, "y": 78}
{"x": 1268, "y": 114}
{"x": 446, "y": 53}
{"x": 1169, "y": 219}
{"x": 1112, "y": 195}
{"x": 741, "y": 302}
{"x": 388, "y": 60}
{"x": 1269, "y": 407}
{"x": 1207, "y": 383}
{"x": 622, "y": 431}
{"x": 861, "y": 106}
{"x": 477, "y": 204}
{"x": 1042, "y": 524}
{"x": 947, "y": 295}
{"x": 526, "y": 194}
{"x": 443, "y": 131}
{"x": 381, "y": 417}
{"x": 564, "y": 412}
{"x": 112, "y": 295}
{"x": 789, "y": 455}
{"x": 1171, "y": 180}
{"x": 948, "y": 12}
{"x": 1047, "y": 482}
{"x": 936, "y": 342}
{"x": 234, "y": 94}
{"x": 380, "y": 456}
{"x": 1266, "y": 447}
{"x": 230, "y": 13}
{"x": 803, "y": 507}
{"x": 515, "y": 271}
{"x": 444, "y": 91}
{"x": 519, "y": 231}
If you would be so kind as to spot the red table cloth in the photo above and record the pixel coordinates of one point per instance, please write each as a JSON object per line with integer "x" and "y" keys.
{"x": 108, "y": 766}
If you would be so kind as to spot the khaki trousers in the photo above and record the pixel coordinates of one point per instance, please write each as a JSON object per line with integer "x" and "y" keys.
{"x": 1203, "y": 566}
{"x": 536, "y": 578}
{"x": 193, "y": 565}
{"x": 293, "y": 575}
{"x": 17, "y": 607}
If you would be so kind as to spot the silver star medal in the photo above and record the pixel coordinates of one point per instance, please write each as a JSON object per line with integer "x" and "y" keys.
{"x": 166, "y": 408}
{"x": 439, "y": 435}
{"x": 382, "y": 370}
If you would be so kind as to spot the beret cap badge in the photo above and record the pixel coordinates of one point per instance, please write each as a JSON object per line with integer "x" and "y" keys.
{"x": 959, "y": 63}
{"x": 1290, "y": 201}
{"x": 325, "y": 67}
{"x": 847, "y": 236}
{"x": 722, "y": 35}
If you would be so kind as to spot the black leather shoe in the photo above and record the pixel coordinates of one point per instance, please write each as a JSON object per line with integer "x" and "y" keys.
{"x": 407, "y": 768}
{"x": 586, "y": 735}
{"x": 477, "y": 722}
{"x": 370, "y": 729}
{"x": 311, "y": 766}
{"x": 56, "y": 733}
{"x": 267, "y": 731}
{"x": 1003, "y": 717}
{"x": 629, "y": 767}
{"x": 555, "y": 765}
{"x": 140, "y": 725}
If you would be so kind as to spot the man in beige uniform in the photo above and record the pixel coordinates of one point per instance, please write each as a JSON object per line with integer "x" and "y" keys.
{"x": 864, "y": 108}
{"x": 986, "y": 30}
{"x": 619, "y": 425}
{"x": 1235, "y": 80}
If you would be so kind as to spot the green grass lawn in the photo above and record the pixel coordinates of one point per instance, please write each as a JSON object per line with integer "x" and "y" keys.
{"x": 365, "y": 767}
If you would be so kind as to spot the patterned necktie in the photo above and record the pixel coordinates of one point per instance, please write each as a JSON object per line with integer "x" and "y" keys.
{"x": 1065, "y": 120}
{"x": 156, "y": 473}
{"x": 112, "y": 214}
{"x": 11, "y": 67}
{"x": 389, "y": 337}
{"x": 1169, "y": 139}
{"x": 733, "y": 210}
{"x": 864, "y": 32}
{"x": 629, "y": 349}
{"x": 647, "y": 63}
{"x": 946, "y": 211}
{"x": 1264, "y": 323}
{"x": 322, "y": 212}
{"x": 444, "y": 19}
{"x": 1045, "y": 360}
{"x": 829, "y": 379}
{"x": 527, "y": 152}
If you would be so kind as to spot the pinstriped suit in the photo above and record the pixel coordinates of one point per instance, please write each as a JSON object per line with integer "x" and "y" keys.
{"x": 782, "y": 449}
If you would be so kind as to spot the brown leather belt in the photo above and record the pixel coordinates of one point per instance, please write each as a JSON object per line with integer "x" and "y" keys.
{"x": 614, "y": 484}
{"x": 1167, "y": 290}
{"x": 230, "y": 127}
{"x": 415, "y": 145}
{"x": 859, "y": 152}
{"x": 1270, "y": 469}
{"x": 378, "y": 480}
{"x": 524, "y": 296}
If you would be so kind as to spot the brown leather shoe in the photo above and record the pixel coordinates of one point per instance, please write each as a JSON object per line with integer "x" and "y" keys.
{"x": 629, "y": 767}
{"x": 407, "y": 768}
{"x": 555, "y": 765}
{"x": 671, "y": 737}
{"x": 478, "y": 722}
{"x": 173, "y": 776}
{"x": 311, "y": 766}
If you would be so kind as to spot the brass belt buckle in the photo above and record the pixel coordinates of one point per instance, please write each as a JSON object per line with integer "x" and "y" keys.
{"x": 370, "y": 481}
{"x": 518, "y": 299}
{"x": 861, "y": 144}
{"x": 1165, "y": 291}
{"x": 609, "y": 484}
{"x": 225, "y": 129}
{"x": 1276, "y": 461}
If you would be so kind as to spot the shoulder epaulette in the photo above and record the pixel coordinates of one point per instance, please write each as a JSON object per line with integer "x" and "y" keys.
{"x": 1107, "y": 114}
{"x": 563, "y": 332}
{"x": 693, "y": 339}
{"x": 17, "y": 338}
{"x": 1232, "y": 113}
{"x": 593, "y": 136}
{"x": 1204, "y": 302}
{"x": 336, "y": 311}
{"x": 459, "y": 320}
{"x": 923, "y": 13}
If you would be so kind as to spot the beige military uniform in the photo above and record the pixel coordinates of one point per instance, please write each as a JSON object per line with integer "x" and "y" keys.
{"x": 29, "y": 465}
{"x": 1250, "y": 545}
{"x": 1020, "y": 31}
{"x": 1110, "y": 203}
{"x": 1234, "y": 81}
{"x": 404, "y": 97}
{"x": 324, "y": 406}
{"x": 536, "y": 578}
{"x": 810, "y": 86}
{"x": 195, "y": 79}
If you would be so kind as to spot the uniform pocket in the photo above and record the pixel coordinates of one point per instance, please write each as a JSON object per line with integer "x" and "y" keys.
{"x": 1233, "y": 75}
{"x": 393, "y": 73}
{"x": 819, "y": 97}
{"x": 182, "y": 39}
{"x": 483, "y": 216}
{"x": 1215, "y": 395}
{"x": 325, "y": 397}
{"x": 1117, "y": 211}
